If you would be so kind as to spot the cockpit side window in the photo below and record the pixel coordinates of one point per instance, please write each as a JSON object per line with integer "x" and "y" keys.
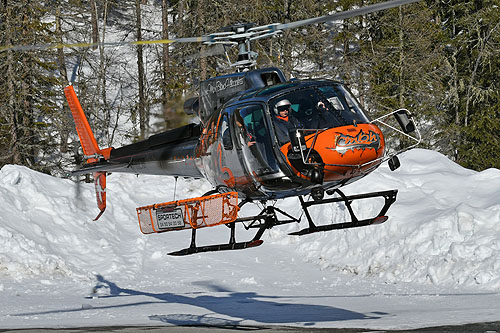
{"x": 225, "y": 132}
{"x": 270, "y": 78}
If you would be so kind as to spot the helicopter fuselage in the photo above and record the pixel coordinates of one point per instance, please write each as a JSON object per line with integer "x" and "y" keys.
{"x": 236, "y": 148}
{"x": 239, "y": 149}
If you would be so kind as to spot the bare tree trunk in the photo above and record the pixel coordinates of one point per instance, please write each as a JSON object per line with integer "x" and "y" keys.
{"x": 140, "y": 69}
{"x": 61, "y": 64}
{"x": 95, "y": 27}
{"x": 165, "y": 56}
{"x": 26, "y": 116}
{"x": 455, "y": 98}
{"x": 402, "y": 88}
{"x": 14, "y": 150}
{"x": 103, "y": 73}
{"x": 287, "y": 45}
{"x": 201, "y": 22}
{"x": 361, "y": 79}
{"x": 180, "y": 16}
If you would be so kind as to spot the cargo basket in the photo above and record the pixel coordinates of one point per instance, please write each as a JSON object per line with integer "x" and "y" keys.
{"x": 207, "y": 211}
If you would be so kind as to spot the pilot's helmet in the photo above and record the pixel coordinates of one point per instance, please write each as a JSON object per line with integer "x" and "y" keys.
{"x": 284, "y": 104}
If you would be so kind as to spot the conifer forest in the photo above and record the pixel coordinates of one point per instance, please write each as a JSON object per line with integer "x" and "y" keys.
{"x": 440, "y": 59}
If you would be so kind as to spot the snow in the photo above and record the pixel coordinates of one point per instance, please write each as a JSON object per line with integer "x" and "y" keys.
{"x": 434, "y": 262}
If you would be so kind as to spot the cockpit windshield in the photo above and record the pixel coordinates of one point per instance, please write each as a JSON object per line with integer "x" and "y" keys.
{"x": 342, "y": 101}
{"x": 319, "y": 107}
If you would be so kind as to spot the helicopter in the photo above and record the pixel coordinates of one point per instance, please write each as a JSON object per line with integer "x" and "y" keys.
{"x": 247, "y": 155}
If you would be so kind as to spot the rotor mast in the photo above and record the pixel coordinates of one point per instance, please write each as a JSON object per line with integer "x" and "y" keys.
{"x": 247, "y": 59}
{"x": 242, "y": 34}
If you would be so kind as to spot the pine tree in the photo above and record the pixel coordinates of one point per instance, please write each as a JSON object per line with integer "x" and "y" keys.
{"x": 403, "y": 61}
{"x": 27, "y": 106}
{"x": 440, "y": 59}
{"x": 473, "y": 30}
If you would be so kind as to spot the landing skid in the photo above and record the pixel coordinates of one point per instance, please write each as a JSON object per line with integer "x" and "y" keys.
{"x": 389, "y": 196}
{"x": 219, "y": 247}
{"x": 268, "y": 218}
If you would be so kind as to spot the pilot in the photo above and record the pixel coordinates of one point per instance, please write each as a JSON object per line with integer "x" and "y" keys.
{"x": 284, "y": 121}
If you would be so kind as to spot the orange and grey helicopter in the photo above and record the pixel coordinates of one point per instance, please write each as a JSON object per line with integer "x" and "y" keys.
{"x": 247, "y": 146}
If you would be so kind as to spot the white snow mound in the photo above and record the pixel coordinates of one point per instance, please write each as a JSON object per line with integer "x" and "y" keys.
{"x": 443, "y": 229}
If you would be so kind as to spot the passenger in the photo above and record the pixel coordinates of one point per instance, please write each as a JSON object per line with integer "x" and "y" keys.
{"x": 246, "y": 135}
{"x": 284, "y": 121}
{"x": 327, "y": 118}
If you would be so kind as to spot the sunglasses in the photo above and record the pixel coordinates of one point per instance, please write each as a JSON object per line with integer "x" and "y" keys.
{"x": 283, "y": 108}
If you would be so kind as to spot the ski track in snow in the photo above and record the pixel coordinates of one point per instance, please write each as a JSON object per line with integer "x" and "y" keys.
{"x": 434, "y": 262}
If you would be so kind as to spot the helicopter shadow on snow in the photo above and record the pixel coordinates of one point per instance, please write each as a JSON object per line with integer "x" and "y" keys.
{"x": 240, "y": 306}
{"x": 244, "y": 306}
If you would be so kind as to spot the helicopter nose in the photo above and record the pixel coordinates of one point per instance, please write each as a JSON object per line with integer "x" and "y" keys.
{"x": 338, "y": 153}
{"x": 350, "y": 151}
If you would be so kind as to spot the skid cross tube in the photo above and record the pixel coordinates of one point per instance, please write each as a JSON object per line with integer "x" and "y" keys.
{"x": 270, "y": 218}
{"x": 389, "y": 196}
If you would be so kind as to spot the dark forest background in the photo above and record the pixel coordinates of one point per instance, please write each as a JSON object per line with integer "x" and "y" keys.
{"x": 438, "y": 58}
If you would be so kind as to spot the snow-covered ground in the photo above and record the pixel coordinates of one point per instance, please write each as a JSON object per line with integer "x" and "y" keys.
{"x": 434, "y": 262}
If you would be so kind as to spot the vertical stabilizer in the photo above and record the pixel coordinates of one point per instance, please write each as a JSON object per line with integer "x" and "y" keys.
{"x": 87, "y": 139}
{"x": 90, "y": 148}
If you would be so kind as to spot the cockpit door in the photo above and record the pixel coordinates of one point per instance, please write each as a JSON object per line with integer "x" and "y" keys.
{"x": 231, "y": 172}
{"x": 253, "y": 139}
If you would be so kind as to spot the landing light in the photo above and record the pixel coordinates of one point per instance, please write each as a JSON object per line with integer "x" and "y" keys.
{"x": 317, "y": 193}
{"x": 394, "y": 163}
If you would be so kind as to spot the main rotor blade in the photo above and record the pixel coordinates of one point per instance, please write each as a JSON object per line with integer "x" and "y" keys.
{"x": 105, "y": 44}
{"x": 345, "y": 15}
{"x": 224, "y": 37}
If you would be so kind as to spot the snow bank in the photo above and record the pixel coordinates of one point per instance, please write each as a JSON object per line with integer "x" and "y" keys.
{"x": 444, "y": 228}
{"x": 46, "y": 225}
